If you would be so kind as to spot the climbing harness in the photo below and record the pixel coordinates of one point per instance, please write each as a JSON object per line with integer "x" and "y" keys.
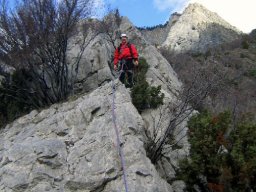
{"x": 119, "y": 148}
{"x": 126, "y": 69}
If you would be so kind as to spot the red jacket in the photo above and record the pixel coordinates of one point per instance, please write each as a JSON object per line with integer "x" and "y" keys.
{"x": 125, "y": 53}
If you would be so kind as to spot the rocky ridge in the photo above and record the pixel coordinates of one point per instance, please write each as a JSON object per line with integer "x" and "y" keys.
{"x": 157, "y": 35}
{"x": 195, "y": 30}
{"x": 198, "y": 29}
{"x": 71, "y": 146}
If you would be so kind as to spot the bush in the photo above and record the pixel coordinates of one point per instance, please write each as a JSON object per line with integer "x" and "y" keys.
{"x": 17, "y": 97}
{"x": 245, "y": 44}
{"x": 224, "y": 160}
{"x": 2, "y": 120}
{"x": 143, "y": 95}
{"x": 243, "y": 156}
{"x": 252, "y": 73}
{"x": 204, "y": 131}
{"x": 242, "y": 55}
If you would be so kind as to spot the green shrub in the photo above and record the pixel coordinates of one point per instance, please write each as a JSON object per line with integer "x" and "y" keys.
{"x": 2, "y": 120}
{"x": 242, "y": 55}
{"x": 207, "y": 54}
{"x": 245, "y": 44}
{"x": 234, "y": 167}
{"x": 252, "y": 73}
{"x": 17, "y": 98}
{"x": 243, "y": 156}
{"x": 143, "y": 95}
{"x": 196, "y": 54}
{"x": 203, "y": 133}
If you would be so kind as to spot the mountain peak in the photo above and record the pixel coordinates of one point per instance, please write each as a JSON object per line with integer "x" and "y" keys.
{"x": 198, "y": 29}
{"x": 198, "y": 13}
{"x": 194, "y": 6}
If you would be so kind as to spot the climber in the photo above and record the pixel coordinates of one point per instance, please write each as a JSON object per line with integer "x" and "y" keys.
{"x": 125, "y": 58}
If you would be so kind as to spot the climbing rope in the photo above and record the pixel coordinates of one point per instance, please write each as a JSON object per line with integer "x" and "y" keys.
{"x": 119, "y": 148}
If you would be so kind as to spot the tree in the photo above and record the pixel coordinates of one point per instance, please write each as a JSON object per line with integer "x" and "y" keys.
{"x": 203, "y": 83}
{"x": 110, "y": 25}
{"x": 143, "y": 95}
{"x": 243, "y": 156}
{"x": 35, "y": 37}
{"x": 226, "y": 160}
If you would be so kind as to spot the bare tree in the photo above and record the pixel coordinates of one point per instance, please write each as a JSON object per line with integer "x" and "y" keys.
{"x": 203, "y": 83}
{"x": 34, "y": 36}
{"x": 110, "y": 26}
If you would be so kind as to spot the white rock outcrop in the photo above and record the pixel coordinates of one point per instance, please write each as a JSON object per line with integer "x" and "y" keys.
{"x": 156, "y": 35}
{"x": 198, "y": 29}
{"x": 72, "y": 147}
{"x": 93, "y": 69}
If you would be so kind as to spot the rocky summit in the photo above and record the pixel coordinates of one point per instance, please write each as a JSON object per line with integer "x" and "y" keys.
{"x": 198, "y": 29}
{"x": 194, "y": 30}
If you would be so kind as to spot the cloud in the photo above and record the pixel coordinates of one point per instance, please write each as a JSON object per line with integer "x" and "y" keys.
{"x": 174, "y": 5}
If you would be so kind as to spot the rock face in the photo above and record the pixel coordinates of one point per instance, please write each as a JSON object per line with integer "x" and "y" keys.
{"x": 195, "y": 30}
{"x": 93, "y": 70}
{"x": 72, "y": 147}
{"x": 198, "y": 29}
{"x": 157, "y": 35}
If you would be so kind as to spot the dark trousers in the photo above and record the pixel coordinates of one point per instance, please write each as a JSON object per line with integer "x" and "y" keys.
{"x": 126, "y": 67}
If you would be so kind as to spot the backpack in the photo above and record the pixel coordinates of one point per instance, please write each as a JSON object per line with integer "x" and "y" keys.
{"x": 129, "y": 45}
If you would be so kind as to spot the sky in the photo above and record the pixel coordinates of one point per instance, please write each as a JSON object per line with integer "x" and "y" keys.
{"x": 146, "y": 13}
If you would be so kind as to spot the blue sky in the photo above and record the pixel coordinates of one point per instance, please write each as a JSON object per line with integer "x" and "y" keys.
{"x": 239, "y": 13}
{"x": 142, "y": 12}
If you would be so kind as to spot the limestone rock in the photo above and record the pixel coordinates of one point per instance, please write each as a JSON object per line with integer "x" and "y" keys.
{"x": 158, "y": 34}
{"x": 157, "y": 120}
{"x": 72, "y": 147}
{"x": 198, "y": 29}
{"x": 93, "y": 69}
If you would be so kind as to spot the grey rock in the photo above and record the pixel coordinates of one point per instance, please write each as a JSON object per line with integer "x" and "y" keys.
{"x": 195, "y": 30}
{"x": 157, "y": 35}
{"x": 198, "y": 29}
{"x": 178, "y": 186}
{"x": 93, "y": 69}
{"x": 157, "y": 120}
{"x": 72, "y": 147}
